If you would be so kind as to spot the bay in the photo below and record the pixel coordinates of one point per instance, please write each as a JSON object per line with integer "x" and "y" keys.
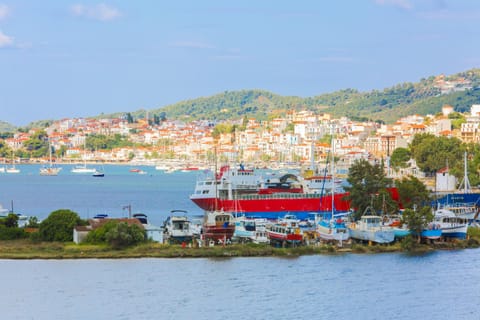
{"x": 155, "y": 193}
{"x": 440, "y": 285}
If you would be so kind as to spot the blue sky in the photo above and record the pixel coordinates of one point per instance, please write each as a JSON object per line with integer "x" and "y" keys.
{"x": 63, "y": 58}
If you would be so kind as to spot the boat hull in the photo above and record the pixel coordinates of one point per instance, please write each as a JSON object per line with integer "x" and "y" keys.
{"x": 274, "y": 206}
{"x": 433, "y": 234}
{"x": 218, "y": 233}
{"x": 332, "y": 232}
{"x": 379, "y": 236}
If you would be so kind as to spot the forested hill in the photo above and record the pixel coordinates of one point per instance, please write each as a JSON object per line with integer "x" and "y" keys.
{"x": 424, "y": 97}
{"x": 6, "y": 127}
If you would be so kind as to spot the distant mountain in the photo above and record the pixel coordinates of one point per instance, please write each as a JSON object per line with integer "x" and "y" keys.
{"x": 6, "y": 127}
{"x": 424, "y": 97}
{"x": 427, "y": 96}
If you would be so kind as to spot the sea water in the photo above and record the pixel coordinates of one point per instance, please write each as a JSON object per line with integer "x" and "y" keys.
{"x": 439, "y": 285}
{"x": 154, "y": 193}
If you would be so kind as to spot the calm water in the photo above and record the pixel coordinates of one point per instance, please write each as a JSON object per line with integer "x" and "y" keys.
{"x": 441, "y": 285}
{"x": 154, "y": 193}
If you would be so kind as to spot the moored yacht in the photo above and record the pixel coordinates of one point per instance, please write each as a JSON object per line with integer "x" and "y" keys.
{"x": 176, "y": 228}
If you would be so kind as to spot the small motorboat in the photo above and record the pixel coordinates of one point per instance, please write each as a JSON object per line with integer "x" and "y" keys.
{"x": 98, "y": 174}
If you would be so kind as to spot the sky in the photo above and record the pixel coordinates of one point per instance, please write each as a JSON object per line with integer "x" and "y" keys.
{"x": 64, "y": 59}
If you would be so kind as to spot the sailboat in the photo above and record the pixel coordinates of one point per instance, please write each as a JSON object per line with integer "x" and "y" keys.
{"x": 463, "y": 203}
{"x": 50, "y": 169}
{"x": 12, "y": 169}
{"x": 333, "y": 227}
{"x": 83, "y": 168}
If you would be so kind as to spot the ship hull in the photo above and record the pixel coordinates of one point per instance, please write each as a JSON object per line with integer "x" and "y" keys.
{"x": 272, "y": 207}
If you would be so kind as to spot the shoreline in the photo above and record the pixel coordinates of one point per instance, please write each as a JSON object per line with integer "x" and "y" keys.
{"x": 27, "y": 250}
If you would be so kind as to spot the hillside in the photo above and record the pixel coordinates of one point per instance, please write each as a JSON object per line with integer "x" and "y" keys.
{"x": 425, "y": 97}
{"x": 6, "y": 127}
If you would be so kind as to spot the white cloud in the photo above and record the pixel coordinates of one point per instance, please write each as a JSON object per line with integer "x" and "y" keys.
{"x": 101, "y": 12}
{"x": 4, "y": 11}
{"x": 5, "y": 41}
{"x": 192, "y": 44}
{"x": 402, "y": 4}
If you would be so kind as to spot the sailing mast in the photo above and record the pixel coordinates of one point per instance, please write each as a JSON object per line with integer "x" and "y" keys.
{"x": 332, "y": 167}
{"x": 465, "y": 182}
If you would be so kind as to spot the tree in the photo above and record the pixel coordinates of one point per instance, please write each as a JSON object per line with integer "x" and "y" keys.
{"x": 399, "y": 158}
{"x": 11, "y": 221}
{"x": 122, "y": 235}
{"x": 59, "y": 225}
{"x": 417, "y": 220}
{"x": 412, "y": 192}
{"x": 37, "y": 145}
{"x": 433, "y": 153}
{"x": 368, "y": 187}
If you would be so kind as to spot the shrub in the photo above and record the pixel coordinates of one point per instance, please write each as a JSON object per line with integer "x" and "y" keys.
{"x": 98, "y": 235}
{"x": 11, "y": 233}
{"x": 123, "y": 235}
{"x": 59, "y": 225}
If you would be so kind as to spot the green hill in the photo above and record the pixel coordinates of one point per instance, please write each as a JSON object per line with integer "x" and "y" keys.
{"x": 424, "y": 97}
{"x": 6, "y": 127}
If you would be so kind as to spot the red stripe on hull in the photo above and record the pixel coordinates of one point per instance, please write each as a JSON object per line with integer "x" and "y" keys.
{"x": 301, "y": 204}
{"x": 218, "y": 233}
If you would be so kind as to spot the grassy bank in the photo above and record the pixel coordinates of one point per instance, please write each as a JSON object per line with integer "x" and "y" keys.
{"x": 25, "y": 249}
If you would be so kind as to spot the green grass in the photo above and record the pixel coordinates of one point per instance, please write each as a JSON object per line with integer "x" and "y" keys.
{"x": 26, "y": 249}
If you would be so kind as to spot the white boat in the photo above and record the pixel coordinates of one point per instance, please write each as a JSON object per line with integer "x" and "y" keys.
{"x": 83, "y": 169}
{"x": 50, "y": 169}
{"x": 2, "y": 169}
{"x": 227, "y": 183}
{"x": 176, "y": 228}
{"x": 332, "y": 227}
{"x": 467, "y": 211}
{"x": 22, "y": 219}
{"x": 12, "y": 169}
{"x": 451, "y": 225}
{"x": 370, "y": 228}
{"x": 98, "y": 174}
{"x": 250, "y": 230}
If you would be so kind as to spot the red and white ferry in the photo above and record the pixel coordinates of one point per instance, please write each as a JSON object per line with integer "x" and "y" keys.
{"x": 242, "y": 191}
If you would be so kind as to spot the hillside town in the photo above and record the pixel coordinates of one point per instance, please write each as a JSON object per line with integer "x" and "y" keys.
{"x": 296, "y": 138}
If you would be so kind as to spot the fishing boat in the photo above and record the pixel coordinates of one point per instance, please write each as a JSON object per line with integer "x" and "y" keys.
{"x": 284, "y": 234}
{"x": 250, "y": 230}
{"x": 332, "y": 228}
{"x": 451, "y": 225}
{"x": 464, "y": 203}
{"x": 218, "y": 226}
{"x": 432, "y": 232}
{"x": 176, "y": 228}
{"x": 370, "y": 228}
